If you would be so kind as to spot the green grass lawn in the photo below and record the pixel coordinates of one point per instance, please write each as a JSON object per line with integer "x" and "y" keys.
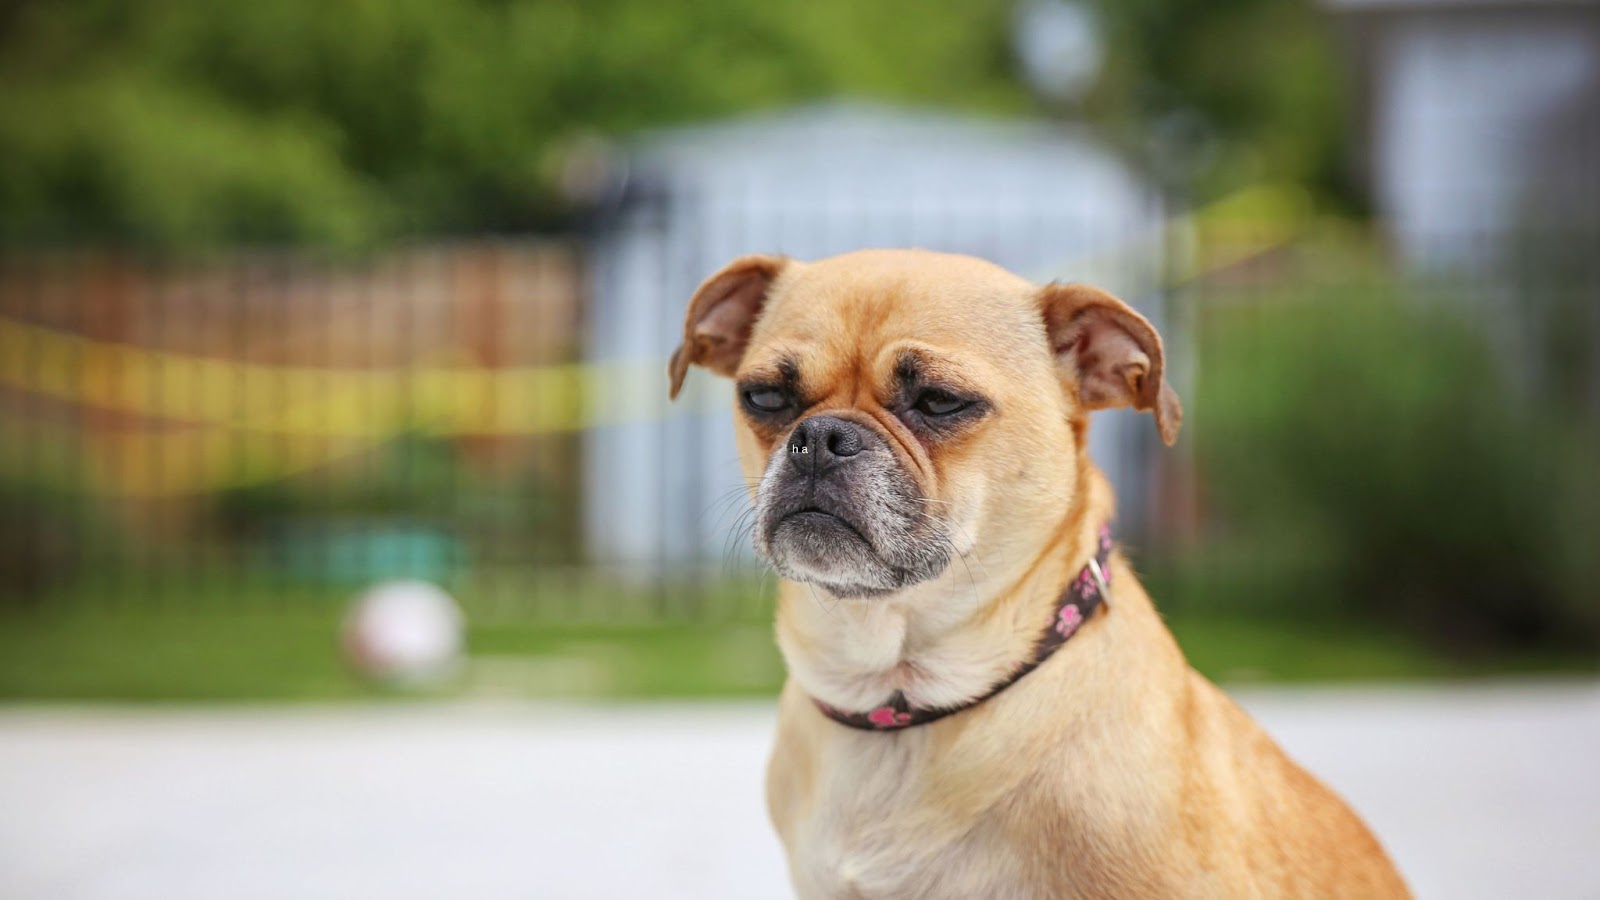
{"x": 291, "y": 654}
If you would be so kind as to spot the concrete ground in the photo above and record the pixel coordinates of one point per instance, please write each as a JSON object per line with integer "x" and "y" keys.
{"x": 1485, "y": 791}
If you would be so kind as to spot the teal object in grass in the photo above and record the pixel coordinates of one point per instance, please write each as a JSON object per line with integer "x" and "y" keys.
{"x": 360, "y": 552}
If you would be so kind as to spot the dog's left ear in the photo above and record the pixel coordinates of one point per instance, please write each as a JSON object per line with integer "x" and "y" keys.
{"x": 1109, "y": 354}
{"x": 721, "y": 315}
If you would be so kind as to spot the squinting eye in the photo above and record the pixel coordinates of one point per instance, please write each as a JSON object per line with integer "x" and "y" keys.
{"x": 766, "y": 400}
{"x": 938, "y": 403}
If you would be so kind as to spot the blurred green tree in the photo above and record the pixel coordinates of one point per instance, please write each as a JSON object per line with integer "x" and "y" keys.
{"x": 1233, "y": 91}
{"x": 345, "y": 122}
{"x": 173, "y": 123}
{"x": 1372, "y": 455}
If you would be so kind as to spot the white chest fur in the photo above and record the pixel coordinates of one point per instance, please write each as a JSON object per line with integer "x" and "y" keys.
{"x": 874, "y": 832}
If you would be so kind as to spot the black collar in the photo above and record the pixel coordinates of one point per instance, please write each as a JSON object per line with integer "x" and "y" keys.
{"x": 1082, "y": 597}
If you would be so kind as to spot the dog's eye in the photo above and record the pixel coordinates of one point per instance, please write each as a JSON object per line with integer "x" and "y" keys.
{"x": 767, "y": 400}
{"x": 938, "y": 403}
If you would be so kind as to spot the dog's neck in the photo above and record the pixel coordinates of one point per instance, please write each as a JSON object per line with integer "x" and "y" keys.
{"x": 950, "y": 640}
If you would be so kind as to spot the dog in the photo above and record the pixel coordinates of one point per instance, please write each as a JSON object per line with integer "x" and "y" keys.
{"x": 982, "y": 700}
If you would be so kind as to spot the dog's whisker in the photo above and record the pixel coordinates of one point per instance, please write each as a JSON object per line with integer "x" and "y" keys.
{"x": 744, "y": 527}
{"x": 818, "y": 600}
{"x": 721, "y": 504}
{"x": 971, "y": 544}
{"x": 942, "y": 535}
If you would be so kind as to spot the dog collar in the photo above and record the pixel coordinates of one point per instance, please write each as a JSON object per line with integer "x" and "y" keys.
{"x": 1081, "y": 598}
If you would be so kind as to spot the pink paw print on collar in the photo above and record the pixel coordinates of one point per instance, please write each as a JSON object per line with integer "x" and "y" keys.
{"x": 1068, "y": 620}
{"x": 1086, "y": 584}
{"x": 887, "y": 717}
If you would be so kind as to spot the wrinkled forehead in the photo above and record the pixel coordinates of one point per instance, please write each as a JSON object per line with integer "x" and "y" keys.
{"x": 881, "y": 325}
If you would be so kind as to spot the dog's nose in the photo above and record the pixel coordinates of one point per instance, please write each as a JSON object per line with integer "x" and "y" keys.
{"x": 821, "y": 441}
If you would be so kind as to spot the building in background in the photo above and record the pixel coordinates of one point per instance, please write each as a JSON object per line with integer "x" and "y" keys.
{"x": 1042, "y": 200}
{"x": 1480, "y": 141}
{"x": 1479, "y": 123}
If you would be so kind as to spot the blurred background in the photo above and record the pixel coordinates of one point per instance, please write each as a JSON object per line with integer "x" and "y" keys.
{"x": 332, "y": 349}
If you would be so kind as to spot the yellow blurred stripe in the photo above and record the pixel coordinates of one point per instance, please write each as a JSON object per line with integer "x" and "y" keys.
{"x": 206, "y": 424}
{"x": 159, "y": 385}
{"x": 152, "y": 384}
{"x": 145, "y": 461}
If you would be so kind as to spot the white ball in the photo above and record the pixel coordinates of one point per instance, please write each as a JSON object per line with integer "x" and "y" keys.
{"x": 404, "y": 631}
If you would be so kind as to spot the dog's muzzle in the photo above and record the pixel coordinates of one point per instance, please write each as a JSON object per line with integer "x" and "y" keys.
{"x": 836, "y": 508}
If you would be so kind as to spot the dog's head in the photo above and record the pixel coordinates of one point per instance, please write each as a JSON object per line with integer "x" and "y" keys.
{"x": 903, "y": 408}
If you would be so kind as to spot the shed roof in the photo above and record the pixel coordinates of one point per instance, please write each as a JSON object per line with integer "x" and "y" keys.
{"x": 874, "y": 154}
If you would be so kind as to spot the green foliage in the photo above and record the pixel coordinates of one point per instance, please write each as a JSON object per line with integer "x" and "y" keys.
{"x": 41, "y": 538}
{"x": 105, "y": 156}
{"x": 414, "y": 506}
{"x": 1245, "y": 90}
{"x": 412, "y": 476}
{"x": 179, "y": 124}
{"x": 175, "y": 123}
{"x": 1380, "y": 447}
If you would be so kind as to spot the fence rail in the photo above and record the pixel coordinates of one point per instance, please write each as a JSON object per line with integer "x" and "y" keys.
{"x": 262, "y": 430}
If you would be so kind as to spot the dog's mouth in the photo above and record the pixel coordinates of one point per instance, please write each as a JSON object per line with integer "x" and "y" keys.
{"x": 818, "y": 519}
{"x": 818, "y": 540}
{"x": 854, "y": 529}
{"x": 815, "y": 544}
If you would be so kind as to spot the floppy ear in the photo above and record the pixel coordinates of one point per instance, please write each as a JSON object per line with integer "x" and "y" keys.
{"x": 720, "y": 317}
{"x": 1110, "y": 354}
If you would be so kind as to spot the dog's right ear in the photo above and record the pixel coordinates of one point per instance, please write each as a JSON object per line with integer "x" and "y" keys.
{"x": 1109, "y": 354}
{"x": 720, "y": 317}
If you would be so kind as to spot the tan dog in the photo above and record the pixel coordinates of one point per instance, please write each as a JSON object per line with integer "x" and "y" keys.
{"x": 918, "y": 424}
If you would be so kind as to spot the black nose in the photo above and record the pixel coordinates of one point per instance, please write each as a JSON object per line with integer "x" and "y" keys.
{"x": 822, "y": 441}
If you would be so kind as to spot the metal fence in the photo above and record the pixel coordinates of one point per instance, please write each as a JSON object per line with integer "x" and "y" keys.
{"x": 274, "y": 431}
{"x": 256, "y": 429}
